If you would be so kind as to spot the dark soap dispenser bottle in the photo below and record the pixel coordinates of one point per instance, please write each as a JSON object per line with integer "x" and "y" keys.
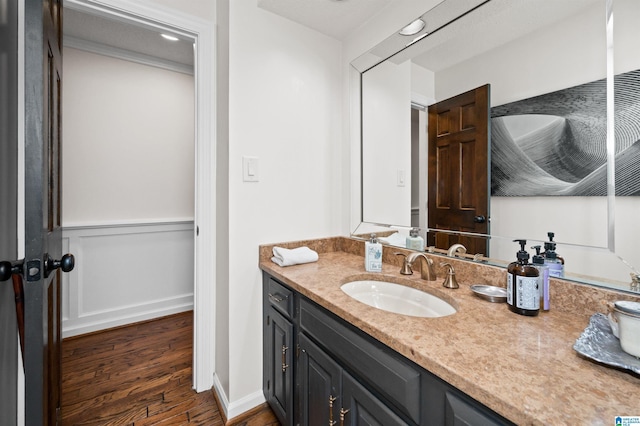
{"x": 523, "y": 292}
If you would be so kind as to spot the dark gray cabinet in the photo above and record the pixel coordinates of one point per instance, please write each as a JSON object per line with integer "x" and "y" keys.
{"x": 279, "y": 344}
{"x": 319, "y": 385}
{"x": 345, "y": 377}
{"x": 362, "y": 408}
{"x": 330, "y": 395}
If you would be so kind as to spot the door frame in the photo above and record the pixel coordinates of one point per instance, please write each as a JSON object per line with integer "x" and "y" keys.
{"x": 203, "y": 35}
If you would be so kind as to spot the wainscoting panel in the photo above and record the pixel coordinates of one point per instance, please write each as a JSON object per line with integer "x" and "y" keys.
{"x": 126, "y": 273}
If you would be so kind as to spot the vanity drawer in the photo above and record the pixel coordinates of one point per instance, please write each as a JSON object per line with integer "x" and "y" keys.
{"x": 280, "y": 297}
{"x": 380, "y": 368}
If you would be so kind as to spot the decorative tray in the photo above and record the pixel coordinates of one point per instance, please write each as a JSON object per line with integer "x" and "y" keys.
{"x": 490, "y": 293}
{"x": 598, "y": 343}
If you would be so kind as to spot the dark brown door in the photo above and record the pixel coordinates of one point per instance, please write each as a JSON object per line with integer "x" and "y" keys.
{"x": 43, "y": 240}
{"x": 458, "y": 172}
{"x": 8, "y": 209}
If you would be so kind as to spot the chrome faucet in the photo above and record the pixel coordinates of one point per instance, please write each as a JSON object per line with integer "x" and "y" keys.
{"x": 456, "y": 249}
{"x": 426, "y": 270}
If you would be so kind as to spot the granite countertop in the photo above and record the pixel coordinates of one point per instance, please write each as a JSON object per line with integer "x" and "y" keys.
{"x": 524, "y": 368}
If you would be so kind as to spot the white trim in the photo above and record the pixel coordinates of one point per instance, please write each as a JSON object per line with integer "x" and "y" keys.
{"x": 240, "y": 406}
{"x": 222, "y": 396}
{"x": 130, "y": 315}
{"x": 126, "y": 55}
{"x": 127, "y": 223}
{"x": 202, "y": 32}
{"x": 245, "y": 404}
{"x": 78, "y": 318}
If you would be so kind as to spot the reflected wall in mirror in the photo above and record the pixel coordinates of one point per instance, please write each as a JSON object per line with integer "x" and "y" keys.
{"x": 523, "y": 49}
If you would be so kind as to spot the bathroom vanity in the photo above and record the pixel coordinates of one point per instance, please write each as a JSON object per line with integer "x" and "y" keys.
{"x": 319, "y": 369}
{"x": 329, "y": 358}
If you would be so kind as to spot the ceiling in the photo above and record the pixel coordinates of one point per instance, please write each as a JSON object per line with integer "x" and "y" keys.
{"x": 127, "y": 36}
{"x": 335, "y": 18}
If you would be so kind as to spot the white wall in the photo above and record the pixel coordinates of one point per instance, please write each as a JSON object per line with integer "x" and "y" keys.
{"x": 128, "y": 191}
{"x": 222, "y": 380}
{"x": 128, "y": 149}
{"x": 284, "y": 108}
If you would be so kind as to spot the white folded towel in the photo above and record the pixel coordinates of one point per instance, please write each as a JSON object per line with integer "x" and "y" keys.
{"x": 288, "y": 257}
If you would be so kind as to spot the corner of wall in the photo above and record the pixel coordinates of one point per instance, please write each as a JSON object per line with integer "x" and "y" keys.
{"x": 222, "y": 373}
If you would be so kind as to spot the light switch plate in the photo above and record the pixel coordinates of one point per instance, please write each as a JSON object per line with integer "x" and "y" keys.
{"x": 401, "y": 177}
{"x": 250, "y": 169}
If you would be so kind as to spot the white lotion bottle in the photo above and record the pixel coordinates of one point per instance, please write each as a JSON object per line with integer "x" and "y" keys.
{"x": 373, "y": 255}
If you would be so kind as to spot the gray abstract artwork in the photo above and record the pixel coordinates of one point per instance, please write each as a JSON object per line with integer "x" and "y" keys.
{"x": 555, "y": 144}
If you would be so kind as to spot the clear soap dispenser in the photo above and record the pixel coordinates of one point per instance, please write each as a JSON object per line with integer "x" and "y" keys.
{"x": 552, "y": 259}
{"x": 543, "y": 278}
{"x": 373, "y": 255}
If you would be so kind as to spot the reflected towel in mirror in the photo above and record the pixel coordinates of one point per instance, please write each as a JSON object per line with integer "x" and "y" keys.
{"x": 395, "y": 239}
{"x": 288, "y": 257}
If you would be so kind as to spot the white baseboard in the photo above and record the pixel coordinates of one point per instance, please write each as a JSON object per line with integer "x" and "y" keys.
{"x": 235, "y": 408}
{"x": 222, "y": 396}
{"x": 144, "y": 313}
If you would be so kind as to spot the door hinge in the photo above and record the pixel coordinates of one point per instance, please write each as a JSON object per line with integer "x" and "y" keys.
{"x": 268, "y": 384}
{"x": 268, "y": 322}
{"x": 297, "y": 350}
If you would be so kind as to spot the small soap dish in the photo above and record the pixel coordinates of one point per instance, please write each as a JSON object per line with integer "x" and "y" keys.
{"x": 490, "y": 293}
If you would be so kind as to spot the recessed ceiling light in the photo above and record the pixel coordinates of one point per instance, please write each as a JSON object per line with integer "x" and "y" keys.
{"x": 413, "y": 28}
{"x": 169, "y": 37}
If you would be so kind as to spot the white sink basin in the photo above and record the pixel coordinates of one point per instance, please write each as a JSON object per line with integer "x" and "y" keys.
{"x": 398, "y": 298}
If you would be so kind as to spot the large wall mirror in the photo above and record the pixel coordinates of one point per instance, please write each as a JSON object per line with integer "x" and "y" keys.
{"x": 563, "y": 75}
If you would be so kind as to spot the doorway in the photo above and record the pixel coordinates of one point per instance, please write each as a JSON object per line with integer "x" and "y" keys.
{"x": 199, "y": 34}
{"x": 128, "y": 155}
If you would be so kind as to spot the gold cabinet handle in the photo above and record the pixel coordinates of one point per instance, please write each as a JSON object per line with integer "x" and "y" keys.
{"x": 343, "y": 412}
{"x": 331, "y": 401}
{"x": 284, "y": 358}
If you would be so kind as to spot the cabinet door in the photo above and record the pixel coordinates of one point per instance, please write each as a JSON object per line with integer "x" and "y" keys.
{"x": 279, "y": 347}
{"x": 462, "y": 413}
{"x": 360, "y": 407}
{"x": 319, "y": 385}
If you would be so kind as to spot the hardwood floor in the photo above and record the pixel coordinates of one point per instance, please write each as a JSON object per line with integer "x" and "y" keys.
{"x": 140, "y": 375}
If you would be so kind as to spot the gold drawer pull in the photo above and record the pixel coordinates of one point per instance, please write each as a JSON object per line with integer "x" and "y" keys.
{"x": 284, "y": 358}
{"x": 343, "y": 412}
{"x": 331, "y": 401}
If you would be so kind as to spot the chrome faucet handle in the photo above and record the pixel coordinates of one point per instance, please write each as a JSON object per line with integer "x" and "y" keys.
{"x": 406, "y": 266}
{"x": 450, "y": 280}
